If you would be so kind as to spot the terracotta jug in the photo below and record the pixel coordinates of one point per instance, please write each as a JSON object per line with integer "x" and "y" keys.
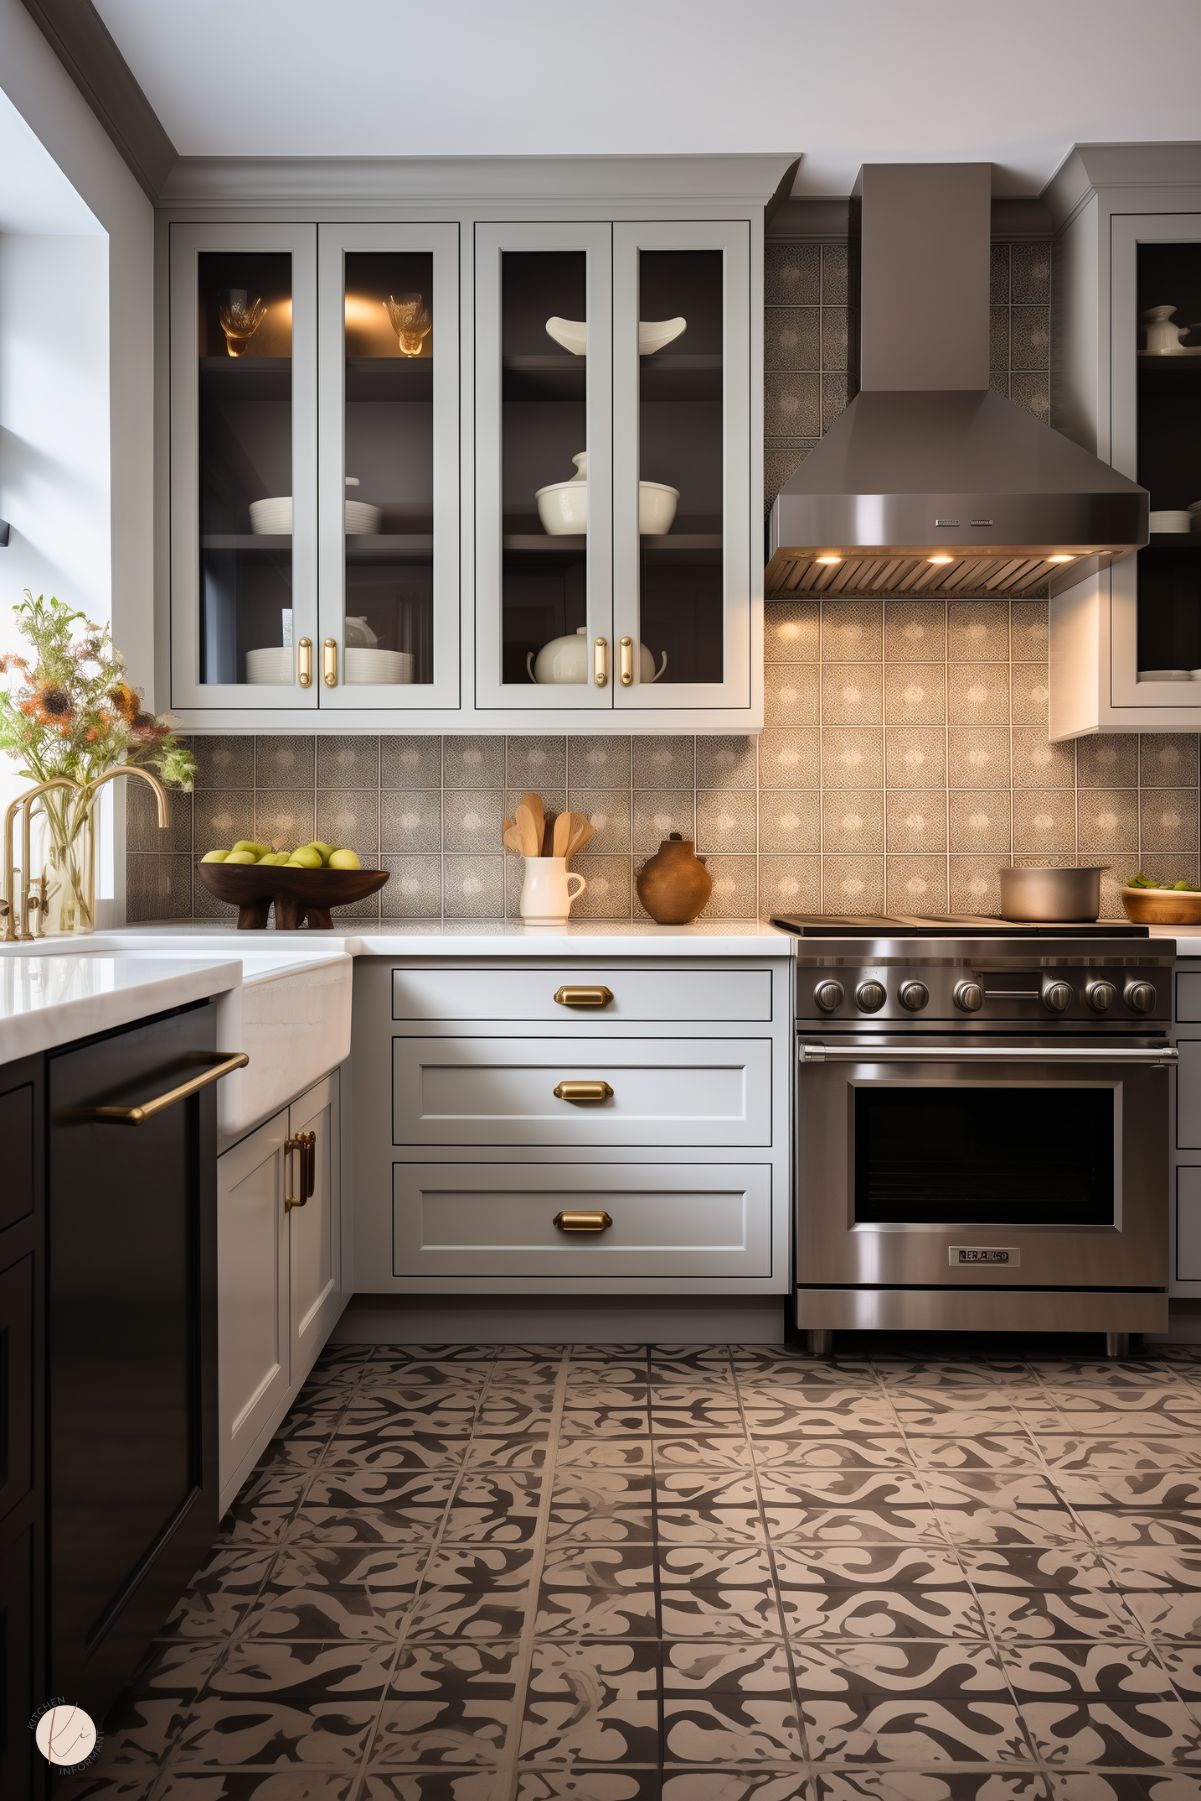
{"x": 674, "y": 884}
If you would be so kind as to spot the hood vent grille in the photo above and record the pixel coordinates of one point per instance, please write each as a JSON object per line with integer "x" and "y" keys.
{"x": 861, "y": 575}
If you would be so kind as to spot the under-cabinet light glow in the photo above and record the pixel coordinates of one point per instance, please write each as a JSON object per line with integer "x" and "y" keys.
{"x": 940, "y": 559}
{"x": 1062, "y": 556}
{"x": 828, "y": 558}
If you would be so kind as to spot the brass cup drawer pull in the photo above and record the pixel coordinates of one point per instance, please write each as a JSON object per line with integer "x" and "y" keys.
{"x": 137, "y": 1116}
{"x": 577, "y": 1220}
{"x": 598, "y": 996}
{"x": 583, "y": 1091}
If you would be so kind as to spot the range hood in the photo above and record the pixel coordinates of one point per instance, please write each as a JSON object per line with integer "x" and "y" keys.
{"x": 929, "y": 482}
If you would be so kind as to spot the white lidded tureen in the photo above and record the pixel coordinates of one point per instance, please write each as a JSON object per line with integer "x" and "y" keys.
{"x": 565, "y": 660}
{"x": 563, "y": 506}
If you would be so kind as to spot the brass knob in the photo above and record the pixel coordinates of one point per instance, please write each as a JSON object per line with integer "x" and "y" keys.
{"x": 577, "y": 1220}
{"x": 599, "y": 996}
{"x": 583, "y": 1091}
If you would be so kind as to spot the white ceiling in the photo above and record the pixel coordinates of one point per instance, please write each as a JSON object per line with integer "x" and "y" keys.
{"x": 1012, "y": 82}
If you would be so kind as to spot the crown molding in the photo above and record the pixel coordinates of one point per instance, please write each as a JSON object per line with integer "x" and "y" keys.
{"x": 1090, "y": 168}
{"x": 83, "y": 44}
{"x": 465, "y": 181}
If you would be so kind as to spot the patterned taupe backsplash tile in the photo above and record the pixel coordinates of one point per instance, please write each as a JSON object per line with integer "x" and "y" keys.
{"x": 905, "y": 755}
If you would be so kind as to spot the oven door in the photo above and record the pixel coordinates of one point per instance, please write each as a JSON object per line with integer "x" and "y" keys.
{"x": 938, "y": 1163}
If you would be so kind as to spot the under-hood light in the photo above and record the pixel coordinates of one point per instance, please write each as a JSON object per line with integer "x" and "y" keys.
{"x": 940, "y": 560}
{"x": 1062, "y": 556}
{"x": 828, "y": 557}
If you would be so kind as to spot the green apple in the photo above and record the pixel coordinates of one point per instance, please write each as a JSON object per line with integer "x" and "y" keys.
{"x": 344, "y": 859}
{"x": 307, "y": 857}
{"x": 256, "y": 850}
{"x": 214, "y": 856}
{"x": 241, "y": 856}
{"x": 326, "y": 850}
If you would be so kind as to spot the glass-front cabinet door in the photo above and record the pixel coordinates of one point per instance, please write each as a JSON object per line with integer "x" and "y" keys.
{"x": 388, "y": 361}
{"x": 1156, "y": 414}
{"x": 543, "y": 441}
{"x": 682, "y": 465}
{"x": 244, "y": 475}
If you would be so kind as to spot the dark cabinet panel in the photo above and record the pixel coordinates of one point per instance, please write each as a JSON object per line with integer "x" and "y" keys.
{"x": 17, "y": 1141}
{"x": 131, "y": 1236}
{"x": 21, "y": 1769}
{"x": 16, "y": 1381}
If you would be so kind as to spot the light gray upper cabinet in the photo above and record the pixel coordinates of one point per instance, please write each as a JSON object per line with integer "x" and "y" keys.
{"x": 615, "y": 477}
{"x": 314, "y": 571}
{"x": 494, "y": 467}
{"x": 1125, "y": 642}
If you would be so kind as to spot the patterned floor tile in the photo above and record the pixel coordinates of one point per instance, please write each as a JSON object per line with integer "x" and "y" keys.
{"x": 1076, "y": 1671}
{"x": 494, "y": 1507}
{"x": 866, "y": 1451}
{"x": 314, "y": 1670}
{"x": 1095, "y": 1785}
{"x": 255, "y": 1785}
{"x": 593, "y": 1703}
{"x": 1127, "y": 1734}
{"x": 878, "y": 1729}
{"x": 578, "y": 1784}
{"x": 601, "y": 1507}
{"x": 447, "y": 1705}
{"x": 598, "y": 1591}
{"x": 220, "y": 1595}
{"x": 231, "y": 1733}
{"x": 918, "y": 1670}
{"x": 932, "y": 1785}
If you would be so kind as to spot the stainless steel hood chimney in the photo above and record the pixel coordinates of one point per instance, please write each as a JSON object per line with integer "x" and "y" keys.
{"x": 930, "y": 483}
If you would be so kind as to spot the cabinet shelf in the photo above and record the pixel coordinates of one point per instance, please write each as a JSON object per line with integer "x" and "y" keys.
{"x": 384, "y": 378}
{"x": 1169, "y": 375}
{"x": 565, "y": 377}
{"x": 365, "y": 547}
{"x": 678, "y": 546}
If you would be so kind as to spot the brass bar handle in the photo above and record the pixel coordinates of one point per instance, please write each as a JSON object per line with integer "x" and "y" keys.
{"x": 626, "y": 661}
{"x": 294, "y": 1145}
{"x": 598, "y": 996}
{"x": 329, "y": 662}
{"x": 600, "y": 661}
{"x": 304, "y": 663}
{"x": 583, "y": 1091}
{"x": 310, "y": 1165}
{"x": 137, "y": 1116}
{"x": 576, "y": 1220}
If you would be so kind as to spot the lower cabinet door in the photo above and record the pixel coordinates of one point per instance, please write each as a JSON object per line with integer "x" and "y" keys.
{"x": 571, "y": 1220}
{"x": 314, "y": 1248}
{"x": 22, "y": 1770}
{"x": 253, "y": 1332}
{"x": 132, "y": 1347}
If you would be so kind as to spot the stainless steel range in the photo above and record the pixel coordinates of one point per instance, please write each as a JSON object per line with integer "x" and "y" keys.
{"x": 982, "y": 1126}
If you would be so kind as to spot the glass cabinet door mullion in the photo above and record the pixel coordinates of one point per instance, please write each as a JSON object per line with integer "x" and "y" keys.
{"x": 388, "y": 306}
{"x": 243, "y": 362}
{"x": 543, "y": 561}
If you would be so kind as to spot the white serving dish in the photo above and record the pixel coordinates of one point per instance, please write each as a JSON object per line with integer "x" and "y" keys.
{"x": 653, "y": 334}
{"x": 1174, "y": 519}
{"x": 272, "y": 666}
{"x": 273, "y": 517}
{"x": 360, "y": 666}
{"x": 565, "y": 661}
{"x": 563, "y": 506}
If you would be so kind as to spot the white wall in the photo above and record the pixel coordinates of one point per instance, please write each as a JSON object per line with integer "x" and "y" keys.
{"x": 103, "y": 445}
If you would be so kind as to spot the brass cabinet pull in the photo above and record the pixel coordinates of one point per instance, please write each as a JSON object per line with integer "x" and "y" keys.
{"x": 294, "y": 1144}
{"x": 329, "y": 662}
{"x": 600, "y": 661}
{"x": 310, "y": 1165}
{"x": 575, "y": 1220}
{"x": 304, "y": 663}
{"x": 583, "y": 1091}
{"x": 137, "y": 1116}
{"x": 626, "y": 661}
{"x": 599, "y": 996}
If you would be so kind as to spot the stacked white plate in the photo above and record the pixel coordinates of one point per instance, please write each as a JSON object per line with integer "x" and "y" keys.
{"x": 274, "y": 666}
{"x": 1175, "y": 519}
{"x": 359, "y": 666}
{"x": 1194, "y": 516}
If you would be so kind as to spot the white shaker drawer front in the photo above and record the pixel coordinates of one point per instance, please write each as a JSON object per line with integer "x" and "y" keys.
{"x": 562, "y": 993}
{"x": 481, "y": 1220}
{"x": 624, "y": 1091}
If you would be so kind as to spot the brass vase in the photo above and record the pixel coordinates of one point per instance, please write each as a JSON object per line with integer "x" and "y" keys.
{"x": 674, "y": 884}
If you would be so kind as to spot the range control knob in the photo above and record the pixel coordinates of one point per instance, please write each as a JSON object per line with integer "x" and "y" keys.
{"x": 871, "y": 996}
{"x": 828, "y": 996}
{"x": 1058, "y": 996}
{"x": 1140, "y": 996}
{"x": 969, "y": 997}
{"x": 1100, "y": 996}
{"x": 913, "y": 996}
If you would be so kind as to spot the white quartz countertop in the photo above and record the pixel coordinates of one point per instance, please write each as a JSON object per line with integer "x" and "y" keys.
{"x": 580, "y": 938}
{"x": 50, "y": 1000}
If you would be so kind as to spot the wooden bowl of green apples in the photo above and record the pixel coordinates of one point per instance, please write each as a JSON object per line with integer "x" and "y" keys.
{"x": 302, "y": 885}
{"x": 1150, "y": 903}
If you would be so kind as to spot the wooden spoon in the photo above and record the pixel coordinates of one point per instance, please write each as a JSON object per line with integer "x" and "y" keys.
{"x": 529, "y": 830}
{"x": 512, "y": 836}
{"x": 562, "y": 837}
{"x": 581, "y": 832}
{"x": 534, "y": 803}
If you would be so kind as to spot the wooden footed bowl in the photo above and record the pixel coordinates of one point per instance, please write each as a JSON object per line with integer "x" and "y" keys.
{"x": 300, "y": 896}
{"x": 1162, "y": 907}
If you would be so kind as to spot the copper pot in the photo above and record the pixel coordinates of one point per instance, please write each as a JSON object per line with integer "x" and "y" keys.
{"x": 674, "y": 884}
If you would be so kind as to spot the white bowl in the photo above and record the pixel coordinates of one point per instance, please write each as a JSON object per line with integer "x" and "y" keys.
{"x": 653, "y": 334}
{"x": 1164, "y": 675}
{"x": 563, "y": 508}
{"x": 1175, "y": 519}
{"x": 271, "y": 666}
{"x": 391, "y": 666}
{"x": 656, "y": 508}
{"x": 274, "y": 517}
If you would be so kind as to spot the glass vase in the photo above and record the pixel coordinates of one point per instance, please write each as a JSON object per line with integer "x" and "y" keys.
{"x": 68, "y": 866}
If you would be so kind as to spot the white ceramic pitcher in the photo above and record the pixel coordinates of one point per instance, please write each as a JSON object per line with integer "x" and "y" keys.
{"x": 547, "y": 893}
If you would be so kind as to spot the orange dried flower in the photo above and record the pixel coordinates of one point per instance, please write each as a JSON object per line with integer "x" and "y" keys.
{"x": 50, "y": 705}
{"x": 125, "y": 702}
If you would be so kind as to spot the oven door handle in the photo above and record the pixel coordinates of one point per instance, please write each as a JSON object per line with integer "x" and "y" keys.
{"x": 975, "y": 1053}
